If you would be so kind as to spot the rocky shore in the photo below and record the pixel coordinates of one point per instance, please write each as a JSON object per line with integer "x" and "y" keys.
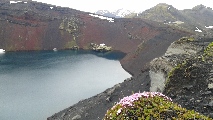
{"x": 100, "y": 48}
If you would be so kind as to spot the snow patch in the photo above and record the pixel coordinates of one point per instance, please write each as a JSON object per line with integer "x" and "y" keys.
{"x": 175, "y": 22}
{"x": 102, "y": 17}
{"x": 51, "y": 7}
{"x": 55, "y": 49}
{"x": 178, "y": 22}
{"x": 102, "y": 44}
{"x": 168, "y": 8}
{"x": 209, "y": 27}
{"x": 122, "y": 12}
{"x": 11, "y": 2}
{"x": 2, "y": 51}
{"x": 118, "y": 13}
{"x": 198, "y": 30}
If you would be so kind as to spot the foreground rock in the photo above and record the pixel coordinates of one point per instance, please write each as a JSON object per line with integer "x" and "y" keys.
{"x": 185, "y": 75}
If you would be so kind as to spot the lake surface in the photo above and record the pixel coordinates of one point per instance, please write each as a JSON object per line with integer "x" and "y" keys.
{"x": 35, "y": 85}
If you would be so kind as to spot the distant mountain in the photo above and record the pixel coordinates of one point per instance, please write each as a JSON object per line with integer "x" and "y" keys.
{"x": 199, "y": 16}
{"x": 106, "y": 13}
{"x": 202, "y": 14}
{"x": 120, "y": 13}
{"x": 161, "y": 12}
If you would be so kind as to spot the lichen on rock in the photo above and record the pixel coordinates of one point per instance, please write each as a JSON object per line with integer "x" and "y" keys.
{"x": 69, "y": 25}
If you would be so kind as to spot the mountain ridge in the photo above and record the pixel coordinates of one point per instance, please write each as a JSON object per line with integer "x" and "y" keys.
{"x": 199, "y": 16}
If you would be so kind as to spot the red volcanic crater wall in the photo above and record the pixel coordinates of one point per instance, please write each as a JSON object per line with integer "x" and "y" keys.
{"x": 35, "y": 26}
{"x": 123, "y": 34}
{"x": 20, "y": 37}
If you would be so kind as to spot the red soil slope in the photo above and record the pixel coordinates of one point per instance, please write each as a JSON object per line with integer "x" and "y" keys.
{"x": 35, "y": 26}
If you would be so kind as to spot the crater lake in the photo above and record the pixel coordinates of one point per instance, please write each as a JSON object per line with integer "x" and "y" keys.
{"x": 34, "y": 85}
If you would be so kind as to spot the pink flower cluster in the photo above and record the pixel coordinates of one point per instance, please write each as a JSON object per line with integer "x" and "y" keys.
{"x": 127, "y": 101}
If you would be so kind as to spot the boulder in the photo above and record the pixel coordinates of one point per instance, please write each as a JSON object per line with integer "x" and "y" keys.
{"x": 210, "y": 86}
{"x": 77, "y": 117}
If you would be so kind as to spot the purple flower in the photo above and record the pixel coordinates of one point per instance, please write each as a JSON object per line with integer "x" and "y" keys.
{"x": 128, "y": 101}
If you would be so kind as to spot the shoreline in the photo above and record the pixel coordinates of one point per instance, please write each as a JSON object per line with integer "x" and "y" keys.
{"x": 96, "y": 106}
{"x": 18, "y": 54}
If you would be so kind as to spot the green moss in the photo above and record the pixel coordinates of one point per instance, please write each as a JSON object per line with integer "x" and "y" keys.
{"x": 69, "y": 25}
{"x": 70, "y": 44}
{"x": 86, "y": 47}
{"x": 176, "y": 68}
{"x": 61, "y": 27}
{"x": 191, "y": 39}
{"x": 139, "y": 48}
{"x": 208, "y": 52}
{"x": 185, "y": 39}
{"x": 152, "y": 108}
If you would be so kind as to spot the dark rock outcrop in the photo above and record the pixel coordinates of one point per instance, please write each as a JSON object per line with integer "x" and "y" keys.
{"x": 185, "y": 75}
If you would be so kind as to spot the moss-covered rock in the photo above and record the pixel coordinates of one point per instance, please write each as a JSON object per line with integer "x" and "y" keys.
{"x": 208, "y": 52}
{"x": 185, "y": 39}
{"x": 150, "y": 106}
{"x": 180, "y": 66}
{"x": 69, "y": 25}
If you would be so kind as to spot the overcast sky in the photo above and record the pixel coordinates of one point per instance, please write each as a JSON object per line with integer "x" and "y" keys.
{"x": 136, "y": 5}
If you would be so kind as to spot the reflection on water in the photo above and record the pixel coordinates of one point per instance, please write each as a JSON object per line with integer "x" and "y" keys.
{"x": 35, "y": 85}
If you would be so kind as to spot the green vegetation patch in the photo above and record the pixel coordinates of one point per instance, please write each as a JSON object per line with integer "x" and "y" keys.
{"x": 150, "y": 106}
{"x": 176, "y": 68}
{"x": 185, "y": 39}
{"x": 69, "y": 25}
{"x": 208, "y": 52}
{"x": 71, "y": 44}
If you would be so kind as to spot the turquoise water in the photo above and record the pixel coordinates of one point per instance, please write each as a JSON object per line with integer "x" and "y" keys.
{"x": 35, "y": 85}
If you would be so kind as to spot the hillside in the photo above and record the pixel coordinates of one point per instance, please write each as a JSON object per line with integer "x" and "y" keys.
{"x": 162, "y": 12}
{"x": 200, "y": 16}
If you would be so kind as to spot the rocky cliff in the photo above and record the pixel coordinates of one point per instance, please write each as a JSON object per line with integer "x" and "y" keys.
{"x": 184, "y": 74}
